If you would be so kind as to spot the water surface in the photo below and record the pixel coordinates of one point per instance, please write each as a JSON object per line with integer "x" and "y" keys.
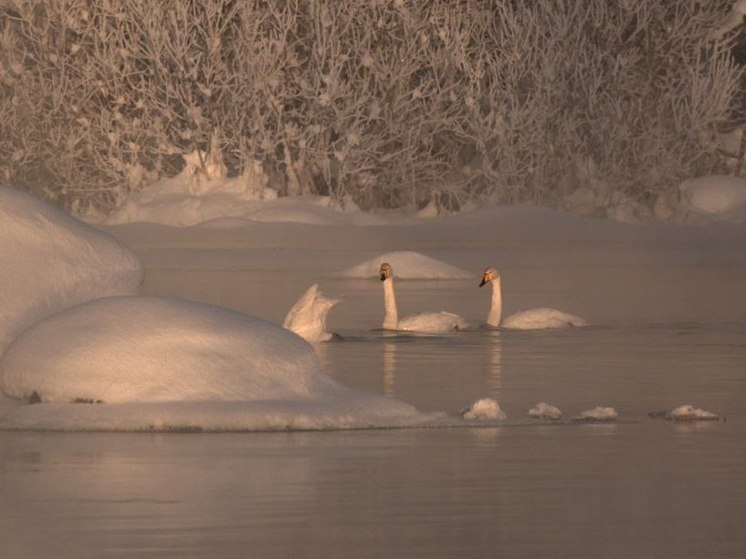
{"x": 665, "y": 331}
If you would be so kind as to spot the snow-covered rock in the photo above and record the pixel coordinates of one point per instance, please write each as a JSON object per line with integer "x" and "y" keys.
{"x": 485, "y": 408}
{"x": 542, "y": 410}
{"x": 599, "y": 413}
{"x": 688, "y": 412}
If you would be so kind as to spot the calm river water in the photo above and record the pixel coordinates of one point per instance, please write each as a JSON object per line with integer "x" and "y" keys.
{"x": 637, "y": 488}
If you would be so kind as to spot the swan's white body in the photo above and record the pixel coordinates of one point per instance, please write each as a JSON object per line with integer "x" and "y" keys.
{"x": 307, "y": 318}
{"x": 532, "y": 319}
{"x": 426, "y": 323}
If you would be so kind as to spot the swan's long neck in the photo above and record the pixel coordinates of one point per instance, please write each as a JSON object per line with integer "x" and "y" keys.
{"x": 391, "y": 318}
{"x": 496, "y": 307}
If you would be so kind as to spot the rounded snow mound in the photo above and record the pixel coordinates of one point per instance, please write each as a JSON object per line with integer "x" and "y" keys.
{"x": 153, "y": 349}
{"x": 688, "y": 412}
{"x": 79, "y": 263}
{"x": 542, "y": 410}
{"x": 152, "y": 363}
{"x": 406, "y": 265}
{"x": 599, "y": 413}
{"x": 703, "y": 200}
{"x": 485, "y": 408}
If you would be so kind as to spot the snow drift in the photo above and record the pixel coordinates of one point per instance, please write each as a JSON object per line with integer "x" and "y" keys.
{"x": 50, "y": 261}
{"x": 152, "y": 363}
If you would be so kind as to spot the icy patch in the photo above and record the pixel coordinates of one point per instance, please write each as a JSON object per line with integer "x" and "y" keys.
{"x": 408, "y": 265}
{"x": 486, "y": 408}
{"x": 542, "y": 410}
{"x": 50, "y": 261}
{"x": 164, "y": 364}
{"x": 599, "y": 414}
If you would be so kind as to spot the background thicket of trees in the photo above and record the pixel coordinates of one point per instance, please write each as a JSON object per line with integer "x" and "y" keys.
{"x": 385, "y": 102}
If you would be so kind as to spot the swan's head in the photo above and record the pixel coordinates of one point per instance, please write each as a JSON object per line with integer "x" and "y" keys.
{"x": 386, "y": 271}
{"x": 489, "y": 275}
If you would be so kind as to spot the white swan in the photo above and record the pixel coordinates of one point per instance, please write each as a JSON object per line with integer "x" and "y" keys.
{"x": 532, "y": 319}
{"x": 307, "y": 318}
{"x": 428, "y": 322}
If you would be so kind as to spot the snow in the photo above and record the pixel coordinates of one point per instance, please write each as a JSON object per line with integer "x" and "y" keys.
{"x": 703, "y": 200}
{"x": 158, "y": 363}
{"x": 599, "y": 413}
{"x": 197, "y": 196}
{"x": 407, "y": 265}
{"x": 154, "y": 349}
{"x": 82, "y": 334}
{"x": 485, "y": 408}
{"x": 50, "y": 261}
{"x": 69, "y": 296}
{"x": 542, "y": 410}
{"x": 688, "y": 412}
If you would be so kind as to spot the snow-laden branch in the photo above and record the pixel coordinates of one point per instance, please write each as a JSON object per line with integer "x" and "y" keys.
{"x": 387, "y": 102}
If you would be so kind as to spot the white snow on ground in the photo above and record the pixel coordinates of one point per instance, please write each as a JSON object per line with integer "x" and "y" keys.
{"x": 407, "y": 265}
{"x": 194, "y": 197}
{"x": 203, "y": 192}
{"x": 157, "y": 363}
{"x": 703, "y": 200}
{"x": 50, "y": 261}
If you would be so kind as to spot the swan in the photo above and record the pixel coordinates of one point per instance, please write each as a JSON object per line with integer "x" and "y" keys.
{"x": 428, "y": 322}
{"x": 307, "y": 317}
{"x": 532, "y": 319}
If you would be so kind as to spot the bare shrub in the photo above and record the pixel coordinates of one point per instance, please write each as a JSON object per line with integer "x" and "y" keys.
{"x": 388, "y": 103}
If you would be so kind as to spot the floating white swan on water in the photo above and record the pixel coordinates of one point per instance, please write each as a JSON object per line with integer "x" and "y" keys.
{"x": 307, "y": 318}
{"x": 532, "y": 319}
{"x": 428, "y": 322}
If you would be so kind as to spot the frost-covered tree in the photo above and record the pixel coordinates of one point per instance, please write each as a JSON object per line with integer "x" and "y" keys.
{"x": 386, "y": 102}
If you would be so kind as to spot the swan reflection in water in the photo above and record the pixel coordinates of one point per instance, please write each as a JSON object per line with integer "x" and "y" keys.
{"x": 389, "y": 365}
{"x": 494, "y": 367}
{"x": 492, "y": 364}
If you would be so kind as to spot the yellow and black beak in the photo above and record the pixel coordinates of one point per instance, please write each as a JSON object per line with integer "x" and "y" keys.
{"x": 484, "y": 280}
{"x": 383, "y": 276}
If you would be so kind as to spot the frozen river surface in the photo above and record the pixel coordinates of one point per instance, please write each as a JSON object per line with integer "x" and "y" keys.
{"x": 668, "y": 327}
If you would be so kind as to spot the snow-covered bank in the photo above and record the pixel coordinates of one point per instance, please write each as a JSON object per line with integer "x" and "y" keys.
{"x": 606, "y": 271}
{"x": 50, "y": 261}
{"x": 695, "y": 201}
{"x": 144, "y": 363}
{"x": 95, "y": 361}
{"x": 704, "y": 200}
{"x": 194, "y": 198}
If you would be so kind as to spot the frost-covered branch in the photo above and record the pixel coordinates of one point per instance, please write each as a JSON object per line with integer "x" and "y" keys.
{"x": 386, "y": 102}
